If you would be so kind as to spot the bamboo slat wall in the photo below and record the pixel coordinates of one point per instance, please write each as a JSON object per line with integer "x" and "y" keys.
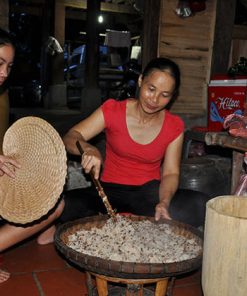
{"x": 189, "y": 42}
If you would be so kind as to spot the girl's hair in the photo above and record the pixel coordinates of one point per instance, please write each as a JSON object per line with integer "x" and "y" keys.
{"x": 6, "y": 38}
{"x": 165, "y": 65}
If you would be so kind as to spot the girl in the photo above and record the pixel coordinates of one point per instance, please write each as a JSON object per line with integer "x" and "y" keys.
{"x": 7, "y": 53}
{"x": 9, "y": 233}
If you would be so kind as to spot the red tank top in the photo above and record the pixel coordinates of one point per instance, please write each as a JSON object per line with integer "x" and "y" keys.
{"x": 128, "y": 162}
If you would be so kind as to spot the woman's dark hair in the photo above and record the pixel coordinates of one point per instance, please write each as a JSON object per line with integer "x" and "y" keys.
{"x": 6, "y": 38}
{"x": 165, "y": 65}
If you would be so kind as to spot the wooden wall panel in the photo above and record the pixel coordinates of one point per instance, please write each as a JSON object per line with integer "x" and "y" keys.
{"x": 239, "y": 44}
{"x": 189, "y": 41}
{"x": 4, "y": 14}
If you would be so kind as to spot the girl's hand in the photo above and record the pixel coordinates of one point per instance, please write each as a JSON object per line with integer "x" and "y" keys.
{"x": 8, "y": 166}
{"x": 92, "y": 160}
{"x": 161, "y": 211}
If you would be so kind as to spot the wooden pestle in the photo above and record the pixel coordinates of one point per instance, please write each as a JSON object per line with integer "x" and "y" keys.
{"x": 100, "y": 189}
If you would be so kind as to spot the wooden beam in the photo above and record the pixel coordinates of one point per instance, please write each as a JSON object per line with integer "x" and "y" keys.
{"x": 80, "y": 4}
{"x": 110, "y": 7}
{"x": 119, "y": 8}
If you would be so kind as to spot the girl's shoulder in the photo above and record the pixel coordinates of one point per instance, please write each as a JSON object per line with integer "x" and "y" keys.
{"x": 4, "y": 87}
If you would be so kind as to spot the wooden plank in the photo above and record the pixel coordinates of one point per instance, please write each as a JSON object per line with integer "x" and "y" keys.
{"x": 188, "y": 41}
{"x": 169, "y": 16}
{"x": 185, "y": 45}
{"x": 180, "y": 54}
{"x": 202, "y": 23}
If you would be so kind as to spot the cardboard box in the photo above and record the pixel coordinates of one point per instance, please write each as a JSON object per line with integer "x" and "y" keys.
{"x": 225, "y": 96}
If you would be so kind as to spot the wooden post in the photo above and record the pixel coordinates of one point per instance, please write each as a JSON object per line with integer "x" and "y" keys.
{"x": 92, "y": 43}
{"x": 47, "y": 30}
{"x": 225, "y": 15}
{"x": 57, "y": 88}
{"x": 150, "y": 30}
{"x": 161, "y": 287}
{"x": 102, "y": 286}
{"x": 59, "y": 34}
{"x": 91, "y": 94}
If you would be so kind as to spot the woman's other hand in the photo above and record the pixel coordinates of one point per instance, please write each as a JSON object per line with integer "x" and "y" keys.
{"x": 161, "y": 211}
{"x": 8, "y": 166}
{"x": 92, "y": 160}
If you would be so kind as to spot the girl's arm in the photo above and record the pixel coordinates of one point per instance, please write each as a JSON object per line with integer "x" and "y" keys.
{"x": 4, "y": 116}
{"x": 8, "y": 166}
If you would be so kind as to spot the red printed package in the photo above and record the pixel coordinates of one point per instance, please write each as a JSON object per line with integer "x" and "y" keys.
{"x": 226, "y": 96}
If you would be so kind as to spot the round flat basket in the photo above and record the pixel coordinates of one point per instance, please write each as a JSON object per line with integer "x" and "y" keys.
{"x": 122, "y": 269}
{"x": 35, "y": 190}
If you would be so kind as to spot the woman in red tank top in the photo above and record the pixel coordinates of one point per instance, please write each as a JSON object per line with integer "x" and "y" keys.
{"x": 141, "y": 167}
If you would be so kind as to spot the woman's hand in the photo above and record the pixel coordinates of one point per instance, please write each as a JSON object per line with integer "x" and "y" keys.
{"x": 92, "y": 160}
{"x": 8, "y": 166}
{"x": 161, "y": 211}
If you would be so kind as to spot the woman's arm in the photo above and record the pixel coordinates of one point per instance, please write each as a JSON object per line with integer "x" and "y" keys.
{"x": 83, "y": 132}
{"x": 4, "y": 116}
{"x": 169, "y": 177}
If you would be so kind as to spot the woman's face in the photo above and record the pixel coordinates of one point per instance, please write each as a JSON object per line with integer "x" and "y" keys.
{"x": 7, "y": 54}
{"x": 156, "y": 90}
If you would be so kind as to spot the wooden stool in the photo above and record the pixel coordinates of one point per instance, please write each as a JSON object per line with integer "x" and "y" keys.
{"x": 134, "y": 286}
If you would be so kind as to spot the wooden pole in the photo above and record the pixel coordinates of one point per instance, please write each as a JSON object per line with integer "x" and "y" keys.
{"x": 150, "y": 33}
{"x": 91, "y": 94}
{"x": 47, "y": 30}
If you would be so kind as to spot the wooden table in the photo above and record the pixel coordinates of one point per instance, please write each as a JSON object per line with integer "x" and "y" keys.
{"x": 222, "y": 139}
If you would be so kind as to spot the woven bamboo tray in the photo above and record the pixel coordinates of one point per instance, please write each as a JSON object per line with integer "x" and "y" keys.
{"x": 126, "y": 269}
{"x": 36, "y": 189}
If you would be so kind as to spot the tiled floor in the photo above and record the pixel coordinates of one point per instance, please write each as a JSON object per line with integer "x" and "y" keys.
{"x": 41, "y": 271}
